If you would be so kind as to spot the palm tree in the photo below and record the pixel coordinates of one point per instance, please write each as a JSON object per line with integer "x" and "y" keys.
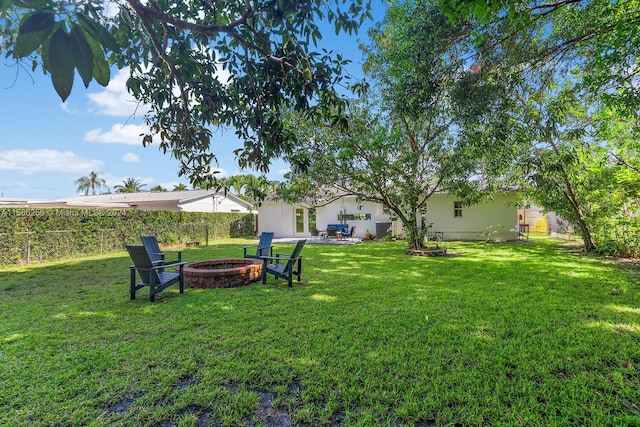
{"x": 91, "y": 182}
{"x": 130, "y": 185}
{"x": 255, "y": 189}
{"x": 158, "y": 189}
{"x": 180, "y": 187}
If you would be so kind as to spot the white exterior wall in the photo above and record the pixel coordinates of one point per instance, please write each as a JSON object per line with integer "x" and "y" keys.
{"x": 498, "y": 214}
{"x": 278, "y": 218}
{"x": 329, "y": 215}
{"x": 157, "y": 206}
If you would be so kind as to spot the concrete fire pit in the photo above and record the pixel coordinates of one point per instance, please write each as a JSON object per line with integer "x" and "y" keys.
{"x": 222, "y": 273}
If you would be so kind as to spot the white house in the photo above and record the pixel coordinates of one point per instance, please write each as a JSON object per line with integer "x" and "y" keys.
{"x": 495, "y": 218}
{"x": 188, "y": 201}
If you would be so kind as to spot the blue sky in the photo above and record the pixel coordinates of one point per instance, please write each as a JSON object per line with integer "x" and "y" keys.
{"x": 46, "y": 145}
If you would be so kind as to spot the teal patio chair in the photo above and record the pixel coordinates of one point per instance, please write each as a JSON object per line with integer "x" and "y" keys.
{"x": 264, "y": 247}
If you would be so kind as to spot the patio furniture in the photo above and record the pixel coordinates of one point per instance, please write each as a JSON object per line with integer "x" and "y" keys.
{"x": 332, "y": 232}
{"x": 350, "y": 233}
{"x": 339, "y": 227}
{"x": 158, "y": 257}
{"x": 286, "y": 265}
{"x": 263, "y": 248}
{"x": 151, "y": 275}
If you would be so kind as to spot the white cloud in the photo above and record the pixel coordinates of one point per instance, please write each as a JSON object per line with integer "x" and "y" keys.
{"x": 131, "y": 158}
{"x": 118, "y": 134}
{"x": 115, "y": 100}
{"x": 68, "y": 107}
{"x": 28, "y": 162}
{"x": 221, "y": 172}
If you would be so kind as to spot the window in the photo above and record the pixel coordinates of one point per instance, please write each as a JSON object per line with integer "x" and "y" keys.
{"x": 354, "y": 217}
{"x": 457, "y": 209}
{"x": 299, "y": 220}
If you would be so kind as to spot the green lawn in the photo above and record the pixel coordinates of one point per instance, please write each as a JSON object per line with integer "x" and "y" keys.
{"x": 500, "y": 334}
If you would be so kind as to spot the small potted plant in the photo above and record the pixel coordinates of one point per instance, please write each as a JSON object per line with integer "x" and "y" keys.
{"x": 368, "y": 235}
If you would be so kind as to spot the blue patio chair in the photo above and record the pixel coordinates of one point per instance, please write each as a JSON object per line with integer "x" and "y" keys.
{"x": 284, "y": 266}
{"x": 158, "y": 257}
{"x": 350, "y": 233}
{"x": 264, "y": 247}
{"x": 152, "y": 275}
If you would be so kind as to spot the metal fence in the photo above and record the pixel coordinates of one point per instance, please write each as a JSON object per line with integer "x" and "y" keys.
{"x": 49, "y": 245}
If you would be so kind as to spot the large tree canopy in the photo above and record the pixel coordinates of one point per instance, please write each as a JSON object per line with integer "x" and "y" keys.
{"x": 177, "y": 53}
{"x": 408, "y": 136}
{"x": 599, "y": 36}
{"x": 575, "y": 104}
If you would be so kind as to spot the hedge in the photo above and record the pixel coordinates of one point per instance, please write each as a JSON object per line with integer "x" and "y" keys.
{"x": 33, "y": 234}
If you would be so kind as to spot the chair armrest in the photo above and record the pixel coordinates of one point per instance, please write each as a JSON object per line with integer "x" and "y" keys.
{"x": 281, "y": 254}
{"x": 160, "y": 267}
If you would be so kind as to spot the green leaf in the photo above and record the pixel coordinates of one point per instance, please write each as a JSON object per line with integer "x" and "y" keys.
{"x": 101, "y": 71}
{"x": 34, "y": 30}
{"x": 61, "y": 63}
{"x": 98, "y": 32}
{"x": 82, "y": 54}
{"x": 5, "y": 5}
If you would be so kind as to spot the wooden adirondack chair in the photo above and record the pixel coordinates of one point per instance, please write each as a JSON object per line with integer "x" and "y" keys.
{"x": 286, "y": 265}
{"x": 264, "y": 247}
{"x": 152, "y": 247}
{"x": 151, "y": 275}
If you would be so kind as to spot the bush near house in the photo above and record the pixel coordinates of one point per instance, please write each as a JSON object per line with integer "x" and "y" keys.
{"x": 36, "y": 234}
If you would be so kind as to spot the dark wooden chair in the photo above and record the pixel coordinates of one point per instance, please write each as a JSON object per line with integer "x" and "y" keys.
{"x": 285, "y": 266}
{"x": 264, "y": 247}
{"x": 151, "y": 275}
{"x": 158, "y": 257}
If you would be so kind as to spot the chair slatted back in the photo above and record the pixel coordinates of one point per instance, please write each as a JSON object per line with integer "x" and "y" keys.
{"x": 150, "y": 243}
{"x": 296, "y": 251}
{"x": 264, "y": 245}
{"x": 143, "y": 263}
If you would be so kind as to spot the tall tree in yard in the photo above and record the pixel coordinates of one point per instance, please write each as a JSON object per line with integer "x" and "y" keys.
{"x": 197, "y": 64}
{"x": 575, "y": 106}
{"x": 405, "y": 139}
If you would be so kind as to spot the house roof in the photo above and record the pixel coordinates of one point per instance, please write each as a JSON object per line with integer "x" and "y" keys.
{"x": 130, "y": 200}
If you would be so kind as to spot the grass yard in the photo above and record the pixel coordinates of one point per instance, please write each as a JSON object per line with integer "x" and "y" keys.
{"x": 501, "y": 334}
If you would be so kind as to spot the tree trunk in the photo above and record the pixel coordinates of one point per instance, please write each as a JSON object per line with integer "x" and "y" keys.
{"x": 570, "y": 194}
{"x": 415, "y": 234}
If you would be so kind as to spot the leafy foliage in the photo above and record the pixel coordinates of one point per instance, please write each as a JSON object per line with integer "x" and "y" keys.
{"x": 91, "y": 182}
{"x": 411, "y": 135}
{"x": 572, "y": 105}
{"x": 197, "y": 64}
{"x": 50, "y": 234}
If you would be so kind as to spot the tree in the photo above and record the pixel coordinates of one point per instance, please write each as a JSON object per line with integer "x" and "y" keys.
{"x": 129, "y": 185}
{"x": 575, "y": 65}
{"x": 598, "y": 35}
{"x": 158, "y": 189}
{"x": 405, "y": 138}
{"x": 180, "y": 187}
{"x": 179, "y": 53}
{"x": 91, "y": 182}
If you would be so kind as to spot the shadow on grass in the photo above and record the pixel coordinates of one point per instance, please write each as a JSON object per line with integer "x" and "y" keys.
{"x": 371, "y": 334}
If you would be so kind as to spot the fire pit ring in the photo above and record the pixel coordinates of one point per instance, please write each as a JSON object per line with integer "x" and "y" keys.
{"x": 222, "y": 273}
